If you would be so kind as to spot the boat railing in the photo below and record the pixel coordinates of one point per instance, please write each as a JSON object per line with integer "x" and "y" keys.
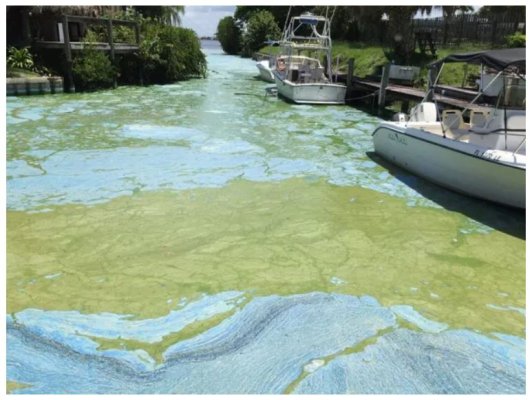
{"x": 520, "y": 146}
{"x": 306, "y": 46}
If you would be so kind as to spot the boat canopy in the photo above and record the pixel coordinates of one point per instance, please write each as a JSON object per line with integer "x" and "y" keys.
{"x": 309, "y": 20}
{"x": 498, "y": 59}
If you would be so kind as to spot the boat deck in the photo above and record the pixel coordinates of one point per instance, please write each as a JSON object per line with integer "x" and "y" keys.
{"x": 458, "y": 134}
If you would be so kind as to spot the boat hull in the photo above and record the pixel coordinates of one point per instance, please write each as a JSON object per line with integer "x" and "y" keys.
{"x": 311, "y": 93}
{"x": 265, "y": 72}
{"x": 466, "y": 170}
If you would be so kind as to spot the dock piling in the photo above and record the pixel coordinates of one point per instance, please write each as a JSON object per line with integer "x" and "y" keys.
{"x": 384, "y": 83}
{"x": 350, "y": 71}
{"x": 69, "y": 81}
{"x": 111, "y": 47}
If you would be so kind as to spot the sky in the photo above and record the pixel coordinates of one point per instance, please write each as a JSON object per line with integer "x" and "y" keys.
{"x": 204, "y": 19}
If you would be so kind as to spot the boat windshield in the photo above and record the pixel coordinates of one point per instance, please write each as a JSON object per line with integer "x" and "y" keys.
{"x": 513, "y": 92}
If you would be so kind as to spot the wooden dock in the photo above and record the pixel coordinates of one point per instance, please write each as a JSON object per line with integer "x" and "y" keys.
{"x": 68, "y": 47}
{"x": 445, "y": 95}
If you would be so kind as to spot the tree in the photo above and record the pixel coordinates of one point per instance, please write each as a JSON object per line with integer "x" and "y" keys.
{"x": 228, "y": 33}
{"x": 170, "y": 53}
{"x": 343, "y": 23}
{"x": 400, "y": 36}
{"x": 170, "y": 15}
{"x": 499, "y": 12}
{"x": 364, "y": 21}
{"x": 244, "y": 13}
{"x": 260, "y": 28}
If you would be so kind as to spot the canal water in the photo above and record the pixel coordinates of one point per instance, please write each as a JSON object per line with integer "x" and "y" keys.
{"x": 204, "y": 237}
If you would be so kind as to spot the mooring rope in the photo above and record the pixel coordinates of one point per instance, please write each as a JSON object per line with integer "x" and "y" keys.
{"x": 363, "y": 97}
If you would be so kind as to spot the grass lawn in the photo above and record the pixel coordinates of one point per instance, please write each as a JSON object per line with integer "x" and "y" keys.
{"x": 21, "y": 73}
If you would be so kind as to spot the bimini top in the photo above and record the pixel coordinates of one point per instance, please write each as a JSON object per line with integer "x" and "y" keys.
{"x": 498, "y": 59}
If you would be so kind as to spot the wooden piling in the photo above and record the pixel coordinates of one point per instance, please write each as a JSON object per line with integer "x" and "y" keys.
{"x": 431, "y": 81}
{"x": 384, "y": 83}
{"x": 137, "y": 41}
{"x": 69, "y": 81}
{"x": 350, "y": 71}
{"x": 111, "y": 47}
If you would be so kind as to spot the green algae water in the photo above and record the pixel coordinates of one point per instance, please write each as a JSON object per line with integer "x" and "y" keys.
{"x": 145, "y": 202}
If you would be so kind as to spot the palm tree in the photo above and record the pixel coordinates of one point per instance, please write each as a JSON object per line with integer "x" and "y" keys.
{"x": 170, "y": 15}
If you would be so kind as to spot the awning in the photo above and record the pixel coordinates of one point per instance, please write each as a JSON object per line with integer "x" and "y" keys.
{"x": 497, "y": 59}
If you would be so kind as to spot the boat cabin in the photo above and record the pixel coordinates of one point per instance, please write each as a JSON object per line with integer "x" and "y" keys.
{"x": 301, "y": 69}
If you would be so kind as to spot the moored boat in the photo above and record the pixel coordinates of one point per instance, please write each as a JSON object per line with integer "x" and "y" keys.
{"x": 299, "y": 74}
{"x": 485, "y": 157}
{"x": 265, "y": 70}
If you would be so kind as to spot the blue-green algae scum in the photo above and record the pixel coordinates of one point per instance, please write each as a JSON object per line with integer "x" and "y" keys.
{"x": 202, "y": 237}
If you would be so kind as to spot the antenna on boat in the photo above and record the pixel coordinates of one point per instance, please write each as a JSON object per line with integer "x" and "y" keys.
{"x": 286, "y": 20}
{"x": 332, "y": 15}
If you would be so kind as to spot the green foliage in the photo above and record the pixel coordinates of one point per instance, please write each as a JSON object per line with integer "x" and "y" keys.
{"x": 95, "y": 34}
{"x": 170, "y": 53}
{"x": 500, "y": 12}
{"x": 20, "y": 62}
{"x": 228, "y": 33}
{"x": 92, "y": 69}
{"x": 163, "y": 14}
{"x": 244, "y": 13}
{"x": 368, "y": 59}
{"x": 260, "y": 28}
{"x": 123, "y": 34}
{"x": 20, "y": 58}
{"x": 400, "y": 38}
{"x": 518, "y": 39}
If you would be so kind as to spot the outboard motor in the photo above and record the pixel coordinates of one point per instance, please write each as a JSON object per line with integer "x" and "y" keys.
{"x": 424, "y": 112}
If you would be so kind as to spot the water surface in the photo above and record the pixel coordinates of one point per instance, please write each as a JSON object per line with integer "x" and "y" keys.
{"x": 202, "y": 237}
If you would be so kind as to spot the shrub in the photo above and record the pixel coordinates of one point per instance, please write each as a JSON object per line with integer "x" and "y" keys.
{"x": 518, "y": 39}
{"x": 123, "y": 34}
{"x": 260, "y": 28}
{"x": 170, "y": 53}
{"x": 22, "y": 62}
{"x": 92, "y": 69}
{"x": 228, "y": 33}
{"x": 20, "y": 58}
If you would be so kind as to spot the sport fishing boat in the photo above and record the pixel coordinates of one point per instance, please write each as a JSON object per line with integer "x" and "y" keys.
{"x": 484, "y": 157}
{"x": 299, "y": 74}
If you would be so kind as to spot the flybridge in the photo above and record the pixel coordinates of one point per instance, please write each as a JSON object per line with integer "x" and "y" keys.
{"x": 298, "y": 29}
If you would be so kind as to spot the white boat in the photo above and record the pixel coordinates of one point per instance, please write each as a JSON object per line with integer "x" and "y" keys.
{"x": 265, "y": 70}
{"x": 483, "y": 158}
{"x": 299, "y": 74}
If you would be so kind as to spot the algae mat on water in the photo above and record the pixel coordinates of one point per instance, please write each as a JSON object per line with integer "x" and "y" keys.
{"x": 143, "y": 254}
